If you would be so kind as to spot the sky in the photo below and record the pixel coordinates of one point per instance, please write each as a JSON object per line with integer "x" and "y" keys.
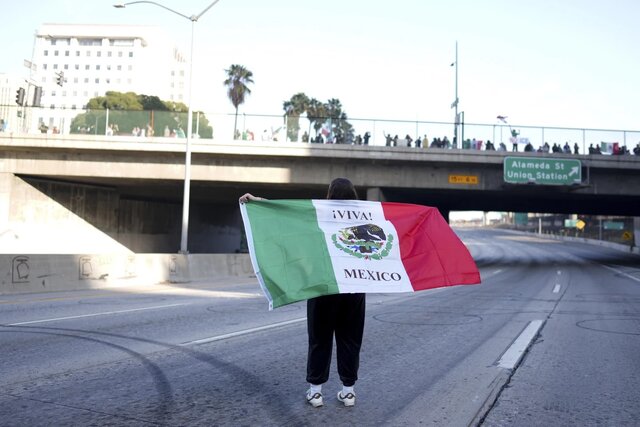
{"x": 570, "y": 63}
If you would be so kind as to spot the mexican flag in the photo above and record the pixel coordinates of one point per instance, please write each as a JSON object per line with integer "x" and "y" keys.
{"x": 609, "y": 147}
{"x": 302, "y": 249}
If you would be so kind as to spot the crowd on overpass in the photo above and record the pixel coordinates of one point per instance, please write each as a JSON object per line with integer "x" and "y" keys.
{"x": 516, "y": 143}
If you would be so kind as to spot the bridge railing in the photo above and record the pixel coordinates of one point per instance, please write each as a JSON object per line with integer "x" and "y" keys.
{"x": 273, "y": 127}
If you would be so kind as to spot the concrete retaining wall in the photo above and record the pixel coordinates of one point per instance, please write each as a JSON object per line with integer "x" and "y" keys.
{"x": 611, "y": 245}
{"x": 602, "y": 243}
{"x": 43, "y": 273}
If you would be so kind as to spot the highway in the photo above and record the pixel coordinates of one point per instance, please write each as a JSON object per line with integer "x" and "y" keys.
{"x": 550, "y": 337}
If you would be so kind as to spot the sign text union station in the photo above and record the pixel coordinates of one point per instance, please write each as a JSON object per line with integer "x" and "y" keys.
{"x": 530, "y": 170}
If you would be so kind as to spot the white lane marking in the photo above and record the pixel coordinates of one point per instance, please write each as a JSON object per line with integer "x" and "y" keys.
{"x": 621, "y": 272}
{"x": 106, "y": 313}
{"x": 486, "y": 276}
{"x": 243, "y": 332}
{"x": 514, "y": 353}
{"x": 556, "y": 288}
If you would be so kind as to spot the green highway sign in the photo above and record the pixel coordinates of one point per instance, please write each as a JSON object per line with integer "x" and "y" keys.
{"x": 532, "y": 170}
{"x": 570, "y": 223}
{"x": 613, "y": 225}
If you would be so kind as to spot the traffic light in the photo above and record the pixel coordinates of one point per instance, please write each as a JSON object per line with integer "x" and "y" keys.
{"x": 20, "y": 96}
{"x": 37, "y": 96}
{"x": 60, "y": 79}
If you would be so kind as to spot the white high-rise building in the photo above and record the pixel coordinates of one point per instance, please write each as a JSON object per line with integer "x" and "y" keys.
{"x": 94, "y": 59}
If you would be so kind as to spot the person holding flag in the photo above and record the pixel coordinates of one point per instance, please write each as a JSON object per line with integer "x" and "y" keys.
{"x": 332, "y": 252}
{"x": 341, "y": 315}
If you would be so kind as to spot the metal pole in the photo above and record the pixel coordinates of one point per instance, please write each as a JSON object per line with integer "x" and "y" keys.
{"x": 26, "y": 122}
{"x": 286, "y": 129}
{"x": 187, "y": 160}
{"x": 455, "y": 126}
{"x": 373, "y": 136}
{"x": 600, "y": 230}
{"x": 461, "y": 128}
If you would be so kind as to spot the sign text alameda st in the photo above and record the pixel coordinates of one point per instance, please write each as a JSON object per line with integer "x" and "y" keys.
{"x": 530, "y": 170}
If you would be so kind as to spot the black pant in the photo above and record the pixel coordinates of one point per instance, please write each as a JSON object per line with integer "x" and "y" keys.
{"x": 342, "y": 315}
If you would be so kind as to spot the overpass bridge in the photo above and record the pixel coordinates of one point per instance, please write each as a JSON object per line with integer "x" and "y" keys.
{"x": 125, "y": 193}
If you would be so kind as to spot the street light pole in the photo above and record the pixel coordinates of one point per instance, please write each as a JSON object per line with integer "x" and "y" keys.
{"x": 455, "y": 104}
{"x": 184, "y": 236}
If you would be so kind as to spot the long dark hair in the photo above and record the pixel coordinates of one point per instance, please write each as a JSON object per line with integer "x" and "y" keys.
{"x": 342, "y": 189}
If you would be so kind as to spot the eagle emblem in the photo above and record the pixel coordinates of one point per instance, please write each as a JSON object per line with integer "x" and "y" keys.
{"x": 368, "y": 241}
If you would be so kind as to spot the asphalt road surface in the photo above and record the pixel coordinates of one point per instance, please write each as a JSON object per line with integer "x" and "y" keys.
{"x": 550, "y": 337}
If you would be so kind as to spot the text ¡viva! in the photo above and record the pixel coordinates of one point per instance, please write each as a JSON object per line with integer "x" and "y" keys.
{"x": 358, "y": 215}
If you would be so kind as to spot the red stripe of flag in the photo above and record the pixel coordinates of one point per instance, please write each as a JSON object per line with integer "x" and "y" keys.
{"x": 431, "y": 252}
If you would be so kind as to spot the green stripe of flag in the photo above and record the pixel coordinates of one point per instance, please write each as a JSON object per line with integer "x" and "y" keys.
{"x": 291, "y": 250}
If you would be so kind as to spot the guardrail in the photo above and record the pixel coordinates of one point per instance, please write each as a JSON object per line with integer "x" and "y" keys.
{"x": 266, "y": 127}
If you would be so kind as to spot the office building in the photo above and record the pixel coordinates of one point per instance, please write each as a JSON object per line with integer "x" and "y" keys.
{"x": 74, "y": 63}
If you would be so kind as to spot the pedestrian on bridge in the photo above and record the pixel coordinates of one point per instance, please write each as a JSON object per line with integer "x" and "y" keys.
{"x": 339, "y": 315}
{"x": 388, "y": 139}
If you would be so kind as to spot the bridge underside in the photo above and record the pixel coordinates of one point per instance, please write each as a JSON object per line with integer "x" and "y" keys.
{"x": 129, "y": 194}
{"x": 144, "y": 216}
{"x": 511, "y": 198}
{"x": 519, "y": 199}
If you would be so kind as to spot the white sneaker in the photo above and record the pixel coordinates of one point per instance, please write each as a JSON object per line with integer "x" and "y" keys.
{"x": 349, "y": 399}
{"x": 314, "y": 399}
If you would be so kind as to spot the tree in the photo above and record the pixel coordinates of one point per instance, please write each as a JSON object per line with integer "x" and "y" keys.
{"x": 129, "y": 110}
{"x": 238, "y": 79}
{"x": 340, "y": 127}
{"x": 328, "y": 115}
{"x": 116, "y": 101}
{"x": 297, "y": 105}
{"x": 125, "y": 110}
{"x": 316, "y": 113}
{"x": 152, "y": 103}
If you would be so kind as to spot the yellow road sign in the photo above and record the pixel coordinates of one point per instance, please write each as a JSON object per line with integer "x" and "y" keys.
{"x": 580, "y": 224}
{"x": 627, "y": 236}
{"x": 463, "y": 179}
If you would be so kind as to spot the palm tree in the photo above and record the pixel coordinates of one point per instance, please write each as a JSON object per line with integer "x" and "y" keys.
{"x": 293, "y": 108}
{"x": 238, "y": 77}
{"x": 342, "y": 128}
{"x": 316, "y": 113}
